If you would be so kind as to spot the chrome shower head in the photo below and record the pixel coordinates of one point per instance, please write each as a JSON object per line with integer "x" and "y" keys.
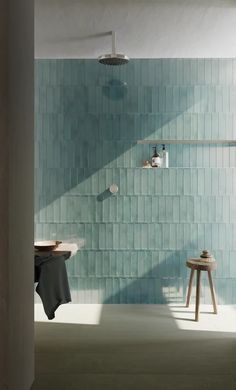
{"x": 113, "y": 58}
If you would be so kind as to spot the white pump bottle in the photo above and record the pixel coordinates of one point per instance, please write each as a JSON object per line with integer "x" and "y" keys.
{"x": 165, "y": 157}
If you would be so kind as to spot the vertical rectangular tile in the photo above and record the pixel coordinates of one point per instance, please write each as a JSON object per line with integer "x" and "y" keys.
{"x": 84, "y": 143}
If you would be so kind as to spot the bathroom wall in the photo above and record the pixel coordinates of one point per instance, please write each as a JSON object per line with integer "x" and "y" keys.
{"x": 133, "y": 245}
{"x": 145, "y": 28}
{"x": 16, "y": 194}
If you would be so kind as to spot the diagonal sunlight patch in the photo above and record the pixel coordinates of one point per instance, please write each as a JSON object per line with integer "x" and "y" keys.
{"x": 128, "y": 154}
{"x": 224, "y": 321}
{"x": 84, "y": 314}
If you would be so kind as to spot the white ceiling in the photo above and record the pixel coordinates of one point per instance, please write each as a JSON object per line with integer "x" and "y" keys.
{"x": 145, "y": 28}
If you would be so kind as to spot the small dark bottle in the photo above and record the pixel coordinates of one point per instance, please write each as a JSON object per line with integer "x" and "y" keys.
{"x": 156, "y": 161}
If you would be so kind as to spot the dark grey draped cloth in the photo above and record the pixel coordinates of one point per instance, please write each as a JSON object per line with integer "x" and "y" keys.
{"x": 51, "y": 276}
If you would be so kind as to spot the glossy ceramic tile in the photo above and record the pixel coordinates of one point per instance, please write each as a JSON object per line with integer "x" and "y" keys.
{"x": 135, "y": 244}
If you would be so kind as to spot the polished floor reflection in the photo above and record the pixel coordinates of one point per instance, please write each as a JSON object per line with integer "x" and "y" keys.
{"x": 136, "y": 347}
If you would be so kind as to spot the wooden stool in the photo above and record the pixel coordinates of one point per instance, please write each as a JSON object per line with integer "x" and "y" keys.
{"x": 200, "y": 265}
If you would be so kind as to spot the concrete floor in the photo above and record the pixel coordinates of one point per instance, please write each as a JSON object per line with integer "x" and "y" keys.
{"x": 135, "y": 347}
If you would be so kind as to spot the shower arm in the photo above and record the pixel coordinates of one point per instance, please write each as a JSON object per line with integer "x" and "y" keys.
{"x": 113, "y": 37}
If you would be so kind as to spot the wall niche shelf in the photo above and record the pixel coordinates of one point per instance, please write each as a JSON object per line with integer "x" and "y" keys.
{"x": 187, "y": 142}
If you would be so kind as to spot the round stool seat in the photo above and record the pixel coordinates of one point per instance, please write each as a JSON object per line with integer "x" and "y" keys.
{"x": 201, "y": 265}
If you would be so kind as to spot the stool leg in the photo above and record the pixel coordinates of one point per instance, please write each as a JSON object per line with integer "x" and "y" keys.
{"x": 213, "y": 297}
{"x": 190, "y": 287}
{"x": 198, "y": 295}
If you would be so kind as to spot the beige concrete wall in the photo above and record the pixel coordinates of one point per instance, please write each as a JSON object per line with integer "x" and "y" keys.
{"x": 145, "y": 28}
{"x": 3, "y": 198}
{"x": 16, "y": 194}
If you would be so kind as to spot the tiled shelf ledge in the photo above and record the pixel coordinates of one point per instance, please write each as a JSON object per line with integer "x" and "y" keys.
{"x": 187, "y": 141}
{"x": 170, "y": 167}
{"x": 160, "y": 168}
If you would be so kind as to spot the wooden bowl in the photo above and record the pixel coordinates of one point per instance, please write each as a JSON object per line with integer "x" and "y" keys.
{"x": 46, "y": 246}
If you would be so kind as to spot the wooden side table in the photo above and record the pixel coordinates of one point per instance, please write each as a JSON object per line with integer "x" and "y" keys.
{"x": 200, "y": 265}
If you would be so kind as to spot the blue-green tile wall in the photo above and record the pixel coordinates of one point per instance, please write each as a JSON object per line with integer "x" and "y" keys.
{"x": 135, "y": 243}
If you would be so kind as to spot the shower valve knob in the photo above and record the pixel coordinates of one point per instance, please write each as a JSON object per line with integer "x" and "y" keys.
{"x": 113, "y": 188}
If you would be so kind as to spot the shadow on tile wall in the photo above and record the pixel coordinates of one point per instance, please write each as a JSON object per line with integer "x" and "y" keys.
{"x": 135, "y": 243}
